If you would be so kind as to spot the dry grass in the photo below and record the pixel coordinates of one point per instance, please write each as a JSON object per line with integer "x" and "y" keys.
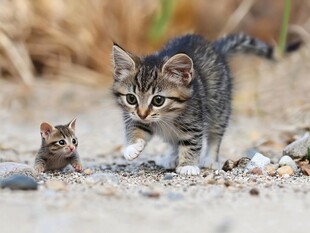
{"x": 72, "y": 40}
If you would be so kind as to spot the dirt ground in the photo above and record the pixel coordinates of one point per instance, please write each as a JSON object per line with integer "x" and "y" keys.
{"x": 271, "y": 106}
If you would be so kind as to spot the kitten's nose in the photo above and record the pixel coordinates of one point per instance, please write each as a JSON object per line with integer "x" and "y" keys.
{"x": 142, "y": 113}
{"x": 71, "y": 148}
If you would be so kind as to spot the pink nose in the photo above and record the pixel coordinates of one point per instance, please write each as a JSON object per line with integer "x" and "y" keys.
{"x": 71, "y": 148}
{"x": 142, "y": 114}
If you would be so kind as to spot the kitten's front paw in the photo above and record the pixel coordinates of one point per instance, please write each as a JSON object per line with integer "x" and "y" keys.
{"x": 39, "y": 168}
{"x": 133, "y": 151}
{"x": 77, "y": 167}
{"x": 188, "y": 170}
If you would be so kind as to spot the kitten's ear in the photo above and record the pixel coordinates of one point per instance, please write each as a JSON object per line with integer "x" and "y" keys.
{"x": 71, "y": 124}
{"x": 46, "y": 130}
{"x": 123, "y": 62}
{"x": 179, "y": 69}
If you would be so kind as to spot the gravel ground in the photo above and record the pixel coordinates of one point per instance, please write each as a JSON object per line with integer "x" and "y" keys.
{"x": 113, "y": 195}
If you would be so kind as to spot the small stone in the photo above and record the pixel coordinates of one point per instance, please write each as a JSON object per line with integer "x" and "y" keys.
{"x": 269, "y": 170}
{"x": 141, "y": 172}
{"x": 102, "y": 178}
{"x": 298, "y": 148}
{"x": 10, "y": 168}
{"x": 209, "y": 179}
{"x": 303, "y": 163}
{"x": 56, "y": 185}
{"x": 285, "y": 170}
{"x": 305, "y": 169}
{"x": 19, "y": 182}
{"x": 228, "y": 183}
{"x": 256, "y": 171}
{"x": 169, "y": 176}
{"x": 152, "y": 194}
{"x": 228, "y": 165}
{"x": 259, "y": 161}
{"x": 254, "y": 192}
{"x": 288, "y": 161}
{"x": 241, "y": 163}
{"x": 87, "y": 171}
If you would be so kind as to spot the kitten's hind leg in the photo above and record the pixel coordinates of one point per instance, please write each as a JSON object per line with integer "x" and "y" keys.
{"x": 170, "y": 159}
{"x": 211, "y": 159}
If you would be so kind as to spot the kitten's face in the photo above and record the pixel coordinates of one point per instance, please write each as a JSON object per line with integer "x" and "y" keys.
{"x": 149, "y": 93}
{"x": 59, "y": 140}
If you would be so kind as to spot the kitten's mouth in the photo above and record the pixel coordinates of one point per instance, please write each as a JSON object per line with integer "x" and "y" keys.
{"x": 69, "y": 153}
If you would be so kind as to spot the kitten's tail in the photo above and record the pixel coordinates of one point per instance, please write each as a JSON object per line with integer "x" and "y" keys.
{"x": 241, "y": 43}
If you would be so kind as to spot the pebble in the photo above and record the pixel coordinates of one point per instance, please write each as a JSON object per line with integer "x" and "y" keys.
{"x": 19, "y": 182}
{"x": 259, "y": 161}
{"x": 285, "y": 170}
{"x": 152, "y": 194}
{"x": 10, "y": 168}
{"x": 56, "y": 185}
{"x": 87, "y": 171}
{"x": 288, "y": 161}
{"x": 169, "y": 176}
{"x": 102, "y": 178}
{"x": 269, "y": 170}
{"x": 241, "y": 163}
{"x": 254, "y": 192}
{"x": 305, "y": 169}
{"x": 256, "y": 171}
{"x": 298, "y": 148}
{"x": 228, "y": 165}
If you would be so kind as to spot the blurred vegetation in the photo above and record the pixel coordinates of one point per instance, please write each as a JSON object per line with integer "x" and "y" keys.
{"x": 72, "y": 40}
{"x": 283, "y": 32}
{"x": 161, "y": 20}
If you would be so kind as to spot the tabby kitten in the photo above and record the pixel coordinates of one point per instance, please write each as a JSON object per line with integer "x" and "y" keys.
{"x": 58, "y": 148}
{"x": 183, "y": 94}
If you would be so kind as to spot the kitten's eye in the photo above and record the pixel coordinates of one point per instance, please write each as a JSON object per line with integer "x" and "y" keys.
{"x": 131, "y": 99}
{"x": 74, "y": 141}
{"x": 158, "y": 100}
{"x": 62, "y": 142}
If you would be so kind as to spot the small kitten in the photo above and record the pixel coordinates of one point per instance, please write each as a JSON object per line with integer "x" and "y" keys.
{"x": 58, "y": 148}
{"x": 181, "y": 93}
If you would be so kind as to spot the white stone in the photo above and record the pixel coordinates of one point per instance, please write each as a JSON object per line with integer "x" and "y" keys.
{"x": 259, "y": 161}
{"x": 288, "y": 161}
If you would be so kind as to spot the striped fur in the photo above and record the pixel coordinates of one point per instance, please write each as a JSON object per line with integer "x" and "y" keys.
{"x": 58, "y": 148}
{"x": 241, "y": 43}
{"x": 193, "y": 78}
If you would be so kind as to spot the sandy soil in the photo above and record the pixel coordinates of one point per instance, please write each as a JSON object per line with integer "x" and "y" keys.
{"x": 138, "y": 196}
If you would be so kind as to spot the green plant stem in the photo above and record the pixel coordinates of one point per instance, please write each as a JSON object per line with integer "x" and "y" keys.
{"x": 161, "y": 20}
{"x": 283, "y": 32}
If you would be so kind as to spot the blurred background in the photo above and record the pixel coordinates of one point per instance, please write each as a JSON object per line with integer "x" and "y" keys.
{"x": 55, "y": 57}
{"x": 72, "y": 39}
